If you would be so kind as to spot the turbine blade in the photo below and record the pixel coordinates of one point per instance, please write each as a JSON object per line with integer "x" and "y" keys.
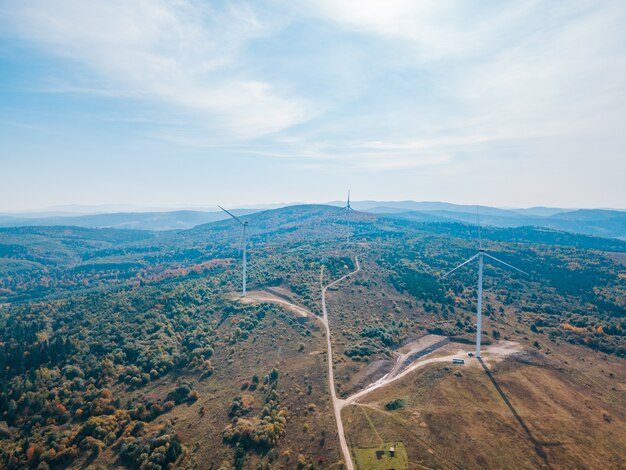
{"x": 368, "y": 215}
{"x": 460, "y": 265}
{"x": 506, "y": 264}
{"x": 232, "y": 215}
{"x": 257, "y": 215}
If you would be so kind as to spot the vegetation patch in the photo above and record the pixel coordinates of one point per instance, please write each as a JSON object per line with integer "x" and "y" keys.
{"x": 387, "y": 456}
{"x": 395, "y": 404}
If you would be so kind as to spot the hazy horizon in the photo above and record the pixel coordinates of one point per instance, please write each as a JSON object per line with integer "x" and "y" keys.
{"x": 80, "y": 209}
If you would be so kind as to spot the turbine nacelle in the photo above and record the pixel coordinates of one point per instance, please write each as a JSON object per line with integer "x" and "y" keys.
{"x": 349, "y": 209}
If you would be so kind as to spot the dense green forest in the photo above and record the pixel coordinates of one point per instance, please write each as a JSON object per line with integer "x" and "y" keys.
{"x": 105, "y": 334}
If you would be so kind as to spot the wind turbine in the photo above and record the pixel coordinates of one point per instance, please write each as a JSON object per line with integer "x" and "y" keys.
{"x": 479, "y": 306}
{"x": 349, "y": 209}
{"x": 242, "y": 244}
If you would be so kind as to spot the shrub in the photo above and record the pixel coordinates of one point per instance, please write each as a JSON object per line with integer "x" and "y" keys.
{"x": 395, "y": 404}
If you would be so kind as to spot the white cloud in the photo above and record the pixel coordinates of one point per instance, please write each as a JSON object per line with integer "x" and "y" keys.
{"x": 437, "y": 29}
{"x": 447, "y": 86}
{"x": 536, "y": 75}
{"x": 183, "y": 54}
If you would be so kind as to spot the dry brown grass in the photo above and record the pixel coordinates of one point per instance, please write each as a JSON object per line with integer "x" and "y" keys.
{"x": 460, "y": 420}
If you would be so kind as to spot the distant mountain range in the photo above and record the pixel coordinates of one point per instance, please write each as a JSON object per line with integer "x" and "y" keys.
{"x": 428, "y": 206}
{"x": 597, "y": 222}
{"x": 171, "y": 220}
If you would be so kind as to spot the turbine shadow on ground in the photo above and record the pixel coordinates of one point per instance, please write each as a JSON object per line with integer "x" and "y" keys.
{"x": 538, "y": 445}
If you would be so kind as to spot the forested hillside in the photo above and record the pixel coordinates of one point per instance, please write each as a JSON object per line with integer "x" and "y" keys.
{"x": 128, "y": 349}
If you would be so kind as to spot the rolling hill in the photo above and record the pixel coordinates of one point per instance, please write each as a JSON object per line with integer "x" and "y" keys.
{"x": 598, "y": 222}
{"x": 125, "y": 220}
{"x": 128, "y": 348}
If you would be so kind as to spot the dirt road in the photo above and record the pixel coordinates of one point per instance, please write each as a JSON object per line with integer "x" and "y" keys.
{"x": 492, "y": 354}
{"x": 266, "y": 297}
{"x": 347, "y": 457}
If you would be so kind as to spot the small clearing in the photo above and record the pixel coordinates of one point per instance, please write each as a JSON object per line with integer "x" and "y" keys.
{"x": 490, "y": 354}
{"x": 268, "y": 297}
{"x": 380, "y": 458}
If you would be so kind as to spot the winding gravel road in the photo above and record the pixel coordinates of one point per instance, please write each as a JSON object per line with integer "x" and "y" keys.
{"x": 498, "y": 351}
{"x": 337, "y": 403}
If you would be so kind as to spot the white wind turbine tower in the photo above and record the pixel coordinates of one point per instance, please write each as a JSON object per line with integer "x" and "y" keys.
{"x": 242, "y": 244}
{"x": 479, "y": 305}
{"x": 349, "y": 209}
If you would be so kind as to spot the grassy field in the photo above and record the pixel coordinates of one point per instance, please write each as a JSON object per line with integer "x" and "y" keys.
{"x": 541, "y": 410}
{"x": 302, "y": 387}
{"x": 381, "y": 458}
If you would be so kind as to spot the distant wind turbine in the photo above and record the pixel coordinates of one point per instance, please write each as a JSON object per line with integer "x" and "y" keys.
{"x": 243, "y": 242}
{"x": 349, "y": 209}
{"x": 479, "y": 307}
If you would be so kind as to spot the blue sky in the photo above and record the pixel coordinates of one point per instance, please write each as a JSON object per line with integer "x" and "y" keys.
{"x": 191, "y": 103}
